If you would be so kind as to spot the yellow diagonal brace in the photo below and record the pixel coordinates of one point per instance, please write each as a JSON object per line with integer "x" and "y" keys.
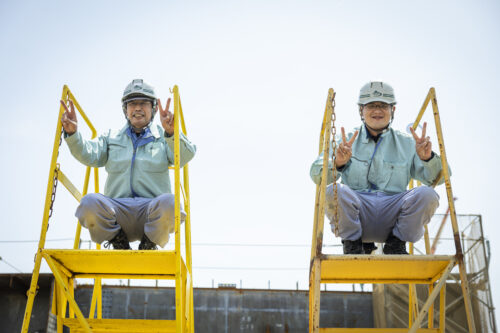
{"x": 432, "y": 297}
{"x": 69, "y": 185}
{"x": 65, "y": 288}
{"x": 93, "y": 301}
{"x": 61, "y": 268}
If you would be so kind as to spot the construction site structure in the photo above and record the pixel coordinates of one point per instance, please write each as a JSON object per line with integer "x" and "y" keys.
{"x": 70, "y": 264}
{"x": 390, "y": 302}
{"x": 429, "y": 269}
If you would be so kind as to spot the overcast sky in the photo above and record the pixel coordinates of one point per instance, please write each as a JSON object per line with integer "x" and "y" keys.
{"x": 253, "y": 77}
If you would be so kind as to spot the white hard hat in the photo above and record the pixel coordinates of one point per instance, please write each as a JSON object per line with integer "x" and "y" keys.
{"x": 138, "y": 89}
{"x": 376, "y": 91}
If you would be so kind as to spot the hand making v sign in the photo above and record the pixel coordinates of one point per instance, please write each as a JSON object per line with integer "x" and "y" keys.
{"x": 423, "y": 144}
{"x": 344, "y": 150}
{"x": 68, "y": 120}
{"x": 166, "y": 117}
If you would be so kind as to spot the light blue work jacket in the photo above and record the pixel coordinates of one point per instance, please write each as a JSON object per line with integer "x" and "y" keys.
{"x": 136, "y": 168}
{"x": 383, "y": 166}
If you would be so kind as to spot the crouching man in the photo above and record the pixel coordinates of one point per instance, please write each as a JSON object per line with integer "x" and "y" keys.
{"x": 375, "y": 164}
{"x": 137, "y": 203}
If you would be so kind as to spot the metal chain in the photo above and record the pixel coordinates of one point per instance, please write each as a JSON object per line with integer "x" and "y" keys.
{"x": 53, "y": 196}
{"x": 56, "y": 181}
{"x": 334, "y": 169}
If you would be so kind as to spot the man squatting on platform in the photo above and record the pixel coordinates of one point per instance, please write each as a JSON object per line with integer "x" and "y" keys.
{"x": 376, "y": 164}
{"x": 138, "y": 203}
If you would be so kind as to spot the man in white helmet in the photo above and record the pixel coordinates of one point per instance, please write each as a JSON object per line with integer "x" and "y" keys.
{"x": 376, "y": 164}
{"x": 137, "y": 203}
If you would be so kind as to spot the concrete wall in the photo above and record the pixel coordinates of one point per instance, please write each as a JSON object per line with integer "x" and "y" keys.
{"x": 13, "y": 289}
{"x": 216, "y": 310}
{"x": 236, "y": 310}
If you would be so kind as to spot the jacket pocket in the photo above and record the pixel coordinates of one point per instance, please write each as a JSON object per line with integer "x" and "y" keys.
{"x": 119, "y": 158}
{"x": 153, "y": 158}
{"x": 356, "y": 175}
{"x": 397, "y": 176}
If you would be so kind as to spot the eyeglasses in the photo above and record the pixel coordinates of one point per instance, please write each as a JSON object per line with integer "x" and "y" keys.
{"x": 373, "y": 107}
{"x": 140, "y": 103}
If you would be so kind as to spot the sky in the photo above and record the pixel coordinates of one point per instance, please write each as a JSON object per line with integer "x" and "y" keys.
{"x": 253, "y": 77}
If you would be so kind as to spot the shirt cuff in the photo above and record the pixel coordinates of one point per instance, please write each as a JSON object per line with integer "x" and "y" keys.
{"x": 432, "y": 156}
{"x": 342, "y": 168}
{"x": 66, "y": 135}
{"x": 71, "y": 138}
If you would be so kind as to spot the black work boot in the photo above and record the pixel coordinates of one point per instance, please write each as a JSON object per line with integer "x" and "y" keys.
{"x": 147, "y": 244}
{"x": 119, "y": 242}
{"x": 394, "y": 245}
{"x": 369, "y": 247}
{"x": 352, "y": 247}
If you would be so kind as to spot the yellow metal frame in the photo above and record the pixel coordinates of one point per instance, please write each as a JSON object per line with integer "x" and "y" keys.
{"x": 69, "y": 264}
{"x": 432, "y": 270}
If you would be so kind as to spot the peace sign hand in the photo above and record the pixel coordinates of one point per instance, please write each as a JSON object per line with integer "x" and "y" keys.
{"x": 344, "y": 150}
{"x": 166, "y": 117}
{"x": 423, "y": 144}
{"x": 68, "y": 120}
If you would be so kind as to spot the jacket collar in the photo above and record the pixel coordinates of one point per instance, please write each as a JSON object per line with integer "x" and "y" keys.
{"x": 152, "y": 128}
{"x": 155, "y": 131}
{"x": 365, "y": 135}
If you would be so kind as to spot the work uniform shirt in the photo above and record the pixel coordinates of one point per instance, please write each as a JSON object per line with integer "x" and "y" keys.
{"x": 137, "y": 166}
{"x": 383, "y": 165}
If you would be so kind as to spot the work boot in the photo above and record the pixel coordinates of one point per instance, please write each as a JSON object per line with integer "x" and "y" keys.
{"x": 394, "y": 245}
{"x": 119, "y": 242}
{"x": 368, "y": 248}
{"x": 147, "y": 244}
{"x": 352, "y": 247}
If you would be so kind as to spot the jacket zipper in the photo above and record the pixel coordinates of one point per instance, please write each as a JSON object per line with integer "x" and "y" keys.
{"x": 132, "y": 171}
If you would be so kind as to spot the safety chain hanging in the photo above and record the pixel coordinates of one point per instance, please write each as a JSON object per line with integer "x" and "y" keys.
{"x": 56, "y": 181}
{"x": 334, "y": 169}
{"x": 54, "y": 190}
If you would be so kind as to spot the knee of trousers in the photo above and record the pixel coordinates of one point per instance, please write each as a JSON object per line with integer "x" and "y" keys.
{"x": 426, "y": 197}
{"x": 163, "y": 205}
{"x": 161, "y": 219}
{"x": 348, "y": 204}
{"x": 344, "y": 194}
{"x": 162, "y": 210}
{"x": 91, "y": 207}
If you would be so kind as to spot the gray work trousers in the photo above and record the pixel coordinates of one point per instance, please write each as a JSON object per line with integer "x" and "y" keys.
{"x": 104, "y": 216}
{"x": 373, "y": 215}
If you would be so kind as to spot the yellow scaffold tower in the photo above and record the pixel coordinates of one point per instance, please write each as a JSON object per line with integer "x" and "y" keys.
{"x": 431, "y": 270}
{"x": 69, "y": 264}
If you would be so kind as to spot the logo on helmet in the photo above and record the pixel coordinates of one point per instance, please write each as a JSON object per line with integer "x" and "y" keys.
{"x": 377, "y": 93}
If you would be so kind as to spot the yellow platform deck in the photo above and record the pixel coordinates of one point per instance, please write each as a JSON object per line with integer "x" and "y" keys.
{"x": 403, "y": 269}
{"x": 115, "y": 263}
